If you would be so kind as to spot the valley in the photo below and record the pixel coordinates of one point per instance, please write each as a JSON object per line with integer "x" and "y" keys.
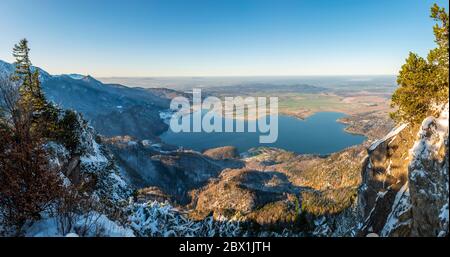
{"x": 307, "y": 184}
{"x": 224, "y": 119}
{"x": 266, "y": 187}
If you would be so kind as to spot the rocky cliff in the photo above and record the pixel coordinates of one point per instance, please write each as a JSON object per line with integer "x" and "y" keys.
{"x": 92, "y": 168}
{"x": 404, "y": 191}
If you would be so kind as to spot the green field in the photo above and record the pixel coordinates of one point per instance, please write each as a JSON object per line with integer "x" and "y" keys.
{"x": 308, "y": 101}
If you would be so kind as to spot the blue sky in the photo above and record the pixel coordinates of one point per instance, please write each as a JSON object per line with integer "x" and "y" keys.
{"x": 218, "y": 37}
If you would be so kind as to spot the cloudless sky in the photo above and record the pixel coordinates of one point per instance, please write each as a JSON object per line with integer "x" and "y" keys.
{"x": 218, "y": 37}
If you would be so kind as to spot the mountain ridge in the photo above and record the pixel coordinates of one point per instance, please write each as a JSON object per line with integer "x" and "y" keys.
{"x": 107, "y": 106}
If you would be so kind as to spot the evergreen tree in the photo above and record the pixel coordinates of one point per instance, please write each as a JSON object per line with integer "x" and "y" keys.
{"x": 23, "y": 74}
{"x": 412, "y": 98}
{"x": 39, "y": 102}
{"x": 424, "y": 82}
{"x": 30, "y": 90}
{"x": 22, "y": 63}
{"x": 44, "y": 116}
{"x": 439, "y": 57}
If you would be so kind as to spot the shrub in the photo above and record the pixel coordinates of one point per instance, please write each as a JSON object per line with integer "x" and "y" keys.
{"x": 68, "y": 128}
{"x": 27, "y": 185}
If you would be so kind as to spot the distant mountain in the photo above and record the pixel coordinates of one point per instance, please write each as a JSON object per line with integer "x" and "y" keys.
{"x": 113, "y": 109}
{"x": 7, "y": 69}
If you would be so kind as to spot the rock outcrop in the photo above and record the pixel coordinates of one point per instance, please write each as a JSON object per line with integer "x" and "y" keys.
{"x": 405, "y": 191}
{"x": 428, "y": 178}
{"x": 93, "y": 167}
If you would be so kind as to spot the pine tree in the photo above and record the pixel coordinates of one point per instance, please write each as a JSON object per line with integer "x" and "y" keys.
{"x": 38, "y": 99}
{"x": 424, "y": 82}
{"x": 44, "y": 116}
{"x": 439, "y": 57}
{"x": 23, "y": 74}
{"x": 30, "y": 90}
{"x": 23, "y": 63}
{"x": 412, "y": 97}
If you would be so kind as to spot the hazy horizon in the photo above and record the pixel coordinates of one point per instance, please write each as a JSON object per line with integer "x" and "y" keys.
{"x": 245, "y": 76}
{"x": 184, "y": 83}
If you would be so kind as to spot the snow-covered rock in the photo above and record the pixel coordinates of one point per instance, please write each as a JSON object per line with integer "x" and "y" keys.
{"x": 428, "y": 176}
{"x": 390, "y": 136}
{"x": 92, "y": 165}
{"x": 405, "y": 181}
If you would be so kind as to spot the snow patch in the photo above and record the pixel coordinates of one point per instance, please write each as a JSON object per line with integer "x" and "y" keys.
{"x": 93, "y": 224}
{"x": 76, "y": 76}
{"x": 401, "y": 205}
{"x": 94, "y": 158}
{"x": 443, "y": 215}
{"x": 391, "y": 134}
{"x": 431, "y": 138}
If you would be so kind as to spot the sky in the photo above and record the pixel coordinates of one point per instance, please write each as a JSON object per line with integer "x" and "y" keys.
{"x": 109, "y": 38}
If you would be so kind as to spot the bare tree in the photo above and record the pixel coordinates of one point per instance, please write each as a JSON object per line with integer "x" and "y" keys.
{"x": 9, "y": 96}
{"x": 28, "y": 185}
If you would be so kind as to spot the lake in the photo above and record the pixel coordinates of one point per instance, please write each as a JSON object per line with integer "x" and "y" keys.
{"x": 318, "y": 134}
